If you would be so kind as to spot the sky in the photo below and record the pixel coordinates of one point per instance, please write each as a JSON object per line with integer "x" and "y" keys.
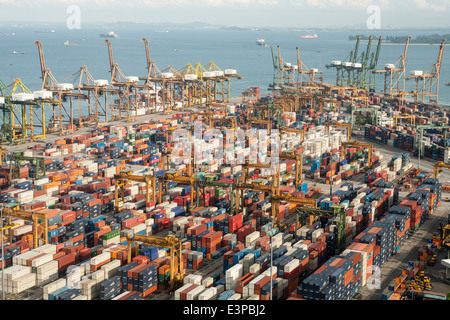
{"x": 243, "y": 13}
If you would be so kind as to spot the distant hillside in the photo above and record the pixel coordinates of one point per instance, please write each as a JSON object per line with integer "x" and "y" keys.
{"x": 423, "y": 39}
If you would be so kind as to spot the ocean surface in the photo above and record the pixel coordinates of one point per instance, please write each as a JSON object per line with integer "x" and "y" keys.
{"x": 229, "y": 49}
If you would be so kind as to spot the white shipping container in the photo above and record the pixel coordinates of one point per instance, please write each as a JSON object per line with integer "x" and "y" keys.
{"x": 193, "y": 294}
{"x": 110, "y": 268}
{"x": 56, "y": 285}
{"x": 100, "y": 258}
{"x": 42, "y": 260}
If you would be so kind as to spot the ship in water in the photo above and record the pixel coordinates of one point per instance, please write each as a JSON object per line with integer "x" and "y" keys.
{"x": 309, "y": 36}
{"x": 70, "y": 43}
{"x": 260, "y": 42}
{"x": 16, "y": 52}
{"x": 110, "y": 34}
{"x": 45, "y": 31}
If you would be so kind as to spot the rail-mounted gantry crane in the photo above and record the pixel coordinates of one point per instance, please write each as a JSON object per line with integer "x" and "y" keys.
{"x": 301, "y": 132}
{"x": 202, "y": 184}
{"x": 123, "y": 178}
{"x": 337, "y": 212}
{"x": 427, "y": 83}
{"x": 15, "y": 162}
{"x": 358, "y": 144}
{"x": 404, "y": 116}
{"x": 298, "y": 165}
{"x": 170, "y": 242}
{"x": 277, "y": 199}
{"x": 335, "y": 124}
{"x": 174, "y": 177}
{"x": 39, "y": 219}
{"x": 437, "y": 168}
{"x": 253, "y": 121}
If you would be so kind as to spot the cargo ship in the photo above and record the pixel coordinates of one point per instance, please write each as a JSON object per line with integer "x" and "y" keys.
{"x": 261, "y": 42}
{"x": 110, "y": 34}
{"x": 45, "y": 31}
{"x": 70, "y": 43}
{"x": 309, "y": 36}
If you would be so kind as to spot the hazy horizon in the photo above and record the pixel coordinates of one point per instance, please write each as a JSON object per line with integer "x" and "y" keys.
{"x": 399, "y": 14}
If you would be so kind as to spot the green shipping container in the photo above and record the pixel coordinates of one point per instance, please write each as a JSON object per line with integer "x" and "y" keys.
{"x": 111, "y": 235}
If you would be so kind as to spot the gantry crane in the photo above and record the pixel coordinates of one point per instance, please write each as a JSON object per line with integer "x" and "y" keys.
{"x": 205, "y": 115}
{"x": 250, "y": 95}
{"x": 100, "y": 109}
{"x": 247, "y": 165}
{"x": 348, "y": 126}
{"x": 364, "y": 78}
{"x": 301, "y": 132}
{"x": 205, "y": 183}
{"x": 321, "y": 101}
{"x": 298, "y": 165}
{"x": 174, "y": 177}
{"x": 172, "y": 243}
{"x": 195, "y": 90}
{"x": 404, "y": 116}
{"x": 230, "y": 120}
{"x": 306, "y": 76}
{"x": 355, "y": 143}
{"x": 16, "y": 160}
{"x": 276, "y": 199}
{"x": 353, "y": 110}
{"x": 284, "y": 75}
{"x": 153, "y": 81}
{"x": 273, "y": 189}
{"x": 427, "y": 83}
{"x": 418, "y": 138}
{"x": 123, "y": 178}
{"x": 437, "y": 168}
{"x": 337, "y": 211}
{"x": 342, "y": 66}
{"x": 267, "y": 123}
{"x": 3, "y": 155}
{"x": 61, "y": 92}
{"x": 394, "y": 76}
{"x": 23, "y": 113}
{"x": 39, "y": 219}
{"x": 218, "y": 83}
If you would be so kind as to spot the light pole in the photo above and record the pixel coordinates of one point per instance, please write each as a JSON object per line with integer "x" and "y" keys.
{"x": 3, "y": 257}
{"x": 271, "y": 257}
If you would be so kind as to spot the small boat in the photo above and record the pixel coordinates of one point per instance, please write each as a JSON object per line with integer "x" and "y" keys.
{"x": 447, "y": 83}
{"x": 15, "y": 52}
{"x": 260, "y": 42}
{"x": 110, "y": 34}
{"x": 10, "y": 34}
{"x": 45, "y": 31}
{"x": 70, "y": 43}
{"x": 309, "y": 36}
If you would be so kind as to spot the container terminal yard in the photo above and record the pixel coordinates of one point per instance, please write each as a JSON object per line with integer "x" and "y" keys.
{"x": 163, "y": 187}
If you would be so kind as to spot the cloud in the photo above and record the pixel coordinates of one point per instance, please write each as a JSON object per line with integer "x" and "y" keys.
{"x": 439, "y": 5}
{"x": 150, "y": 3}
{"x": 335, "y": 3}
